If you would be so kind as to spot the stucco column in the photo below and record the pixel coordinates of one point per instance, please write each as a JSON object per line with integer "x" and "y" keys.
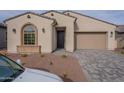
{"x": 111, "y": 40}
{"x": 69, "y": 41}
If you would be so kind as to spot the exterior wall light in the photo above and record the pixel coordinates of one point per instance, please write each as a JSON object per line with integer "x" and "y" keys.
{"x": 68, "y": 14}
{"x": 43, "y": 30}
{"x": 111, "y": 34}
{"x": 28, "y": 16}
{"x": 14, "y": 30}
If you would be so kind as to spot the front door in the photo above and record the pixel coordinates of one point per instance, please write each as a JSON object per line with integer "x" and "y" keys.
{"x": 60, "y": 39}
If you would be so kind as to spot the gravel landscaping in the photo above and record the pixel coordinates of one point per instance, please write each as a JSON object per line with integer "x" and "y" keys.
{"x": 66, "y": 67}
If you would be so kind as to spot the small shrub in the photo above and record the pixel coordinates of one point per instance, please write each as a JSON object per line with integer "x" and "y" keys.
{"x": 42, "y": 55}
{"x": 122, "y": 52}
{"x": 65, "y": 75}
{"x": 64, "y": 56}
{"x": 66, "y": 79}
{"x": 23, "y": 64}
{"x": 51, "y": 63}
{"x": 24, "y": 55}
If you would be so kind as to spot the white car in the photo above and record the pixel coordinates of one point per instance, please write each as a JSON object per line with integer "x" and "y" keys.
{"x": 11, "y": 71}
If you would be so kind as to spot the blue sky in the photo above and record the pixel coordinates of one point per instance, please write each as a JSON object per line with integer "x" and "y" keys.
{"x": 113, "y": 16}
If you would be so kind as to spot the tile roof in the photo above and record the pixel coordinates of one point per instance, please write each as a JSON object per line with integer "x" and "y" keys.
{"x": 2, "y": 25}
{"x": 120, "y": 28}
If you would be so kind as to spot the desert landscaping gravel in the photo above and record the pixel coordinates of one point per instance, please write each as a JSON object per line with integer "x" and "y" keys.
{"x": 64, "y": 66}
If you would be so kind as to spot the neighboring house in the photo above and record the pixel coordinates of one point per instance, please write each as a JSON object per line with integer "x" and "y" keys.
{"x": 120, "y": 36}
{"x": 30, "y": 32}
{"x": 3, "y": 38}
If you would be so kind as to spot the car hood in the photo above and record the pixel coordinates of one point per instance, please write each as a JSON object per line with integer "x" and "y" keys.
{"x": 33, "y": 75}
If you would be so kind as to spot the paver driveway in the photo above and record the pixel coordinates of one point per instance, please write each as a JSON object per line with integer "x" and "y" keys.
{"x": 99, "y": 65}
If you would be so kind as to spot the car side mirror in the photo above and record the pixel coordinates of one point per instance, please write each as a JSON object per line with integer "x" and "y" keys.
{"x": 18, "y": 61}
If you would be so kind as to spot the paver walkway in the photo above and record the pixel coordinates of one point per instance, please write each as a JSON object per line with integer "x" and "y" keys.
{"x": 101, "y": 65}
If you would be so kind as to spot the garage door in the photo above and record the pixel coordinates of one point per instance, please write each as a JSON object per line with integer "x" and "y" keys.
{"x": 90, "y": 40}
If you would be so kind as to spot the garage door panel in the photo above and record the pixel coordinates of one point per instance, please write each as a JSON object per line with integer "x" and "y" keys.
{"x": 91, "y": 40}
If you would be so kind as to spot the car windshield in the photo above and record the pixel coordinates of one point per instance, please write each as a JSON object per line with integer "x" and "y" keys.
{"x": 9, "y": 69}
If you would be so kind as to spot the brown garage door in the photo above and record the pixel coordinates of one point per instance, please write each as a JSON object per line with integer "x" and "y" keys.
{"x": 90, "y": 40}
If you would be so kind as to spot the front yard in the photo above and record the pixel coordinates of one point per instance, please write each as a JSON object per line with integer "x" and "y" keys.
{"x": 79, "y": 66}
{"x": 65, "y": 66}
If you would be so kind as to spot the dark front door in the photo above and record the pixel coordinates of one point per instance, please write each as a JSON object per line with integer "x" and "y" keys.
{"x": 60, "y": 39}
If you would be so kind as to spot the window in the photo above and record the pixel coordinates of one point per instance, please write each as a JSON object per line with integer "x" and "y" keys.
{"x": 29, "y": 35}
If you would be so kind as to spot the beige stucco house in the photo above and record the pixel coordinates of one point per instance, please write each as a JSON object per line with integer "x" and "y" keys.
{"x": 30, "y": 32}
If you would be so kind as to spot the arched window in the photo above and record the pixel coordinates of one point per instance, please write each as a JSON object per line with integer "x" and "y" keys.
{"x": 29, "y": 35}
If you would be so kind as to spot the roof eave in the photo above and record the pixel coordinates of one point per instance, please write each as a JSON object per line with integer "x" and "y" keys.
{"x": 25, "y": 14}
{"x": 58, "y": 13}
{"x": 91, "y": 17}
